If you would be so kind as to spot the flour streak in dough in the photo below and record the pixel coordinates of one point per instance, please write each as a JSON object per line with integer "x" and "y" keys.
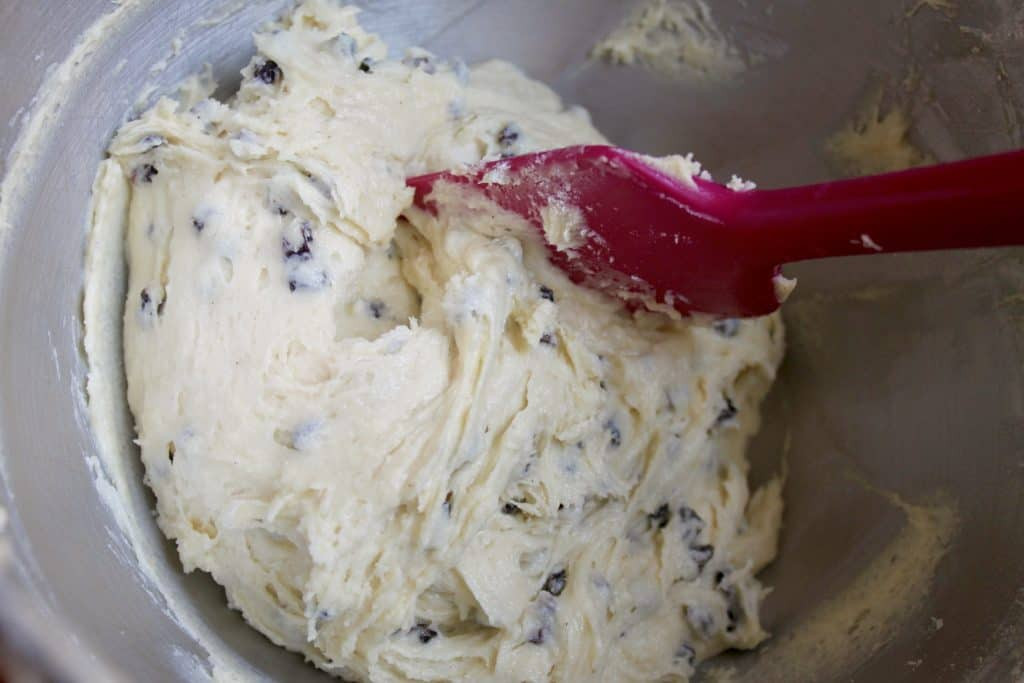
{"x": 406, "y": 444}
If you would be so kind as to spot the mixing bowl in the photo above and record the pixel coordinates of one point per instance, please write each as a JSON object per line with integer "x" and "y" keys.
{"x": 898, "y": 415}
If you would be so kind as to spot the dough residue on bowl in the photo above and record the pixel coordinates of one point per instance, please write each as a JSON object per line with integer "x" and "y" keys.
{"x": 874, "y": 142}
{"x": 405, "y": 443}
{"x": 873, "y": 607}
{"x": 674, "y": 38}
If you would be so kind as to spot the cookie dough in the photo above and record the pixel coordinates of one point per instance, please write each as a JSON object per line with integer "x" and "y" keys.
{"x": 405, "y": 444}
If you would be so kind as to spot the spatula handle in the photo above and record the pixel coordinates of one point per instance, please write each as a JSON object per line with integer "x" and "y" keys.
{"x": 974, "y": 203}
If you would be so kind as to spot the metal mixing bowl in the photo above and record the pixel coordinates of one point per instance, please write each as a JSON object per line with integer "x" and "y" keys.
{"x": 903, "y": 376}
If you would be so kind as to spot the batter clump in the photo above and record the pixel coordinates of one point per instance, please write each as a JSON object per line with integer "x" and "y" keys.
{"x": 406, "y": 445}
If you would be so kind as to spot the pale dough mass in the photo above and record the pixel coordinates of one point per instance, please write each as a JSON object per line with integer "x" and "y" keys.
{"x": 407, "y": 446}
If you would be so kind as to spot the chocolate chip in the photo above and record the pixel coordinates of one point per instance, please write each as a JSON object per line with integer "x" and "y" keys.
{"x": 508, "y": 140}
{"x": 547, "y": 293}
{"x": 171, "y": 450}
{"x": 447, "y": 504}
{"x": 547, "y": 339}
{"x": 147, "y": 303}
{"x": 727, "y": 327}
{"x": 198, "y": 224}
{"x": 693, "y": 525}
{"x": 728, "y": 412}
{"x": 660, "y": 517}
{"x": 366, "y": 66}
{"x": 555, "y": 583}
{"x": 542, "y": 618}
{"x": 688, "y": 514}
{"x": 301, "y": 250}
{"x": 735, "y": 614}
{"x": 614, "y": 433}
{"x": 511, "y": 509}
{"x": 268, "y": 72}
{"x": 701, "y": 554}
{"x": 509, "y": 135}
{"x": 377, "y": 308}
{"x": 424, "y": 632}
{"x": 144, "y": 173}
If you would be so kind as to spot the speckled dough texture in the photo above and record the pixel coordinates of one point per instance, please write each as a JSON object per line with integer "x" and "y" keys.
{"x": 406, "y": 445}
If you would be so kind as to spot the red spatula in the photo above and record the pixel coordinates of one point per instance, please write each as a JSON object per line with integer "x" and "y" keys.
{"x": 705, "y": 248}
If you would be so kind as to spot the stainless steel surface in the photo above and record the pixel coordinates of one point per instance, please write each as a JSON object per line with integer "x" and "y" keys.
{"x": 912, "y": 383}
